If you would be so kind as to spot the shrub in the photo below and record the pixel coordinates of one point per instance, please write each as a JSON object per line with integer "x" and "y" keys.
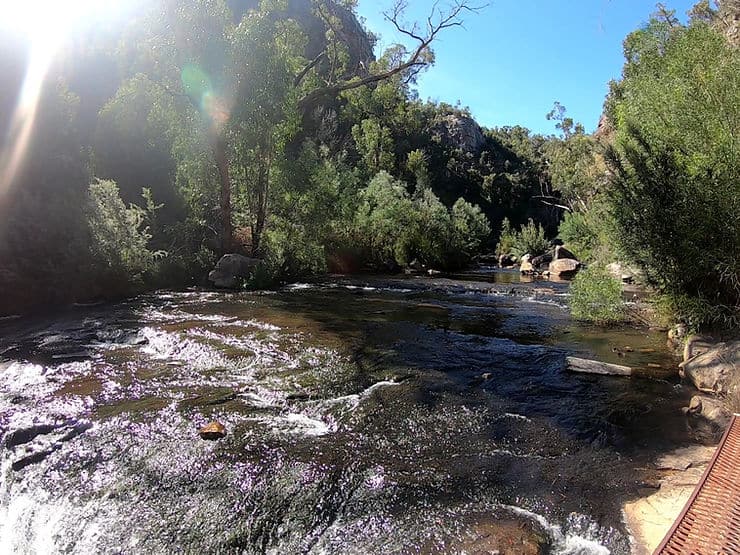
{"x": 120, "y": 236}
{"x": 596, "y": 296}
{"x": 578, "y": 234}
{"x": 470, "y": 226}
{"x": 507, "y": 239}
{"x": 674, "y": 190}
{"x": 396, "y": 229}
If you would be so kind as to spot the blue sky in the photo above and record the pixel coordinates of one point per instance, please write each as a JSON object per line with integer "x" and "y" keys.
{"x": 515, "y": 59}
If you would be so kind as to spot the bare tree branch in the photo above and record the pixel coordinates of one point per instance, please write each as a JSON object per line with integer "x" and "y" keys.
{"x": 437, "y": 22}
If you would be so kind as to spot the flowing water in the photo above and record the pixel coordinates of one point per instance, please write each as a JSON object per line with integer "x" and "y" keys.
{"x": 377, "y": 415}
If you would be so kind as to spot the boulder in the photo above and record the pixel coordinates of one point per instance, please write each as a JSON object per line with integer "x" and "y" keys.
{"x": 526, "y": 268}
{"x": 542, "y": 260}
{"x": 624, "y": 273}
{"x": 715, "y": 371}
{"x": 213, "y": 431}
{"x": 564, "y": 267}
{"x": 561, "y": 252}
{"x": 506, "y": 261}
{"x": 696, "y": 345}
{"x": 709, "y": 408}
{"x": 231, "y": 269}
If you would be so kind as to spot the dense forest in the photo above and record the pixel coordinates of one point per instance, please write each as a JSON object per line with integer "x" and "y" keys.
{"x": 273, "y": 129}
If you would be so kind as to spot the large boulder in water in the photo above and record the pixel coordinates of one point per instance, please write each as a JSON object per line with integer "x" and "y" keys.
{"x": 564, "y": 267}
{"x": 715, "y": 371}
{"x": 231, "y": 269}
{"x": 561, "y": 252}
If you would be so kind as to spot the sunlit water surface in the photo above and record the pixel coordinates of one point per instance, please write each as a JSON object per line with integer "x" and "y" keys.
{"x": 376, "y": 415}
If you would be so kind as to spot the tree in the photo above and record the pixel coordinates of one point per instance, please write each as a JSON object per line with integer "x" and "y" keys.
{"x": 674, "y": 193}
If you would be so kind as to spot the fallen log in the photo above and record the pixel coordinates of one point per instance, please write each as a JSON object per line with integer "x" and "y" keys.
{"x": 585, "y": 366}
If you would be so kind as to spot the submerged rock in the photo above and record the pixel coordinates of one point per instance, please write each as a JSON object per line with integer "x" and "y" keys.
{"x": 213, "y": 431}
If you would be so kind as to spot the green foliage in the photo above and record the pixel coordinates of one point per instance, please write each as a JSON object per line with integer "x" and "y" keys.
{"x": 596, "y": 296}
{"x": 530, "y": 239}
{"x": 471, "y": 227}
{"x": 507, "y": 239}
{"x": 397, "y": 229}
{"x": 120, "y": 237}
{"x": 577, "y": 231}
{"x": 675, "y": 195}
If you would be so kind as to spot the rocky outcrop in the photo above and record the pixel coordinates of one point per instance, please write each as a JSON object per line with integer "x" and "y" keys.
{"x": 231, "y": 270}
{"x": 715, "y": 371}
{"x": 460, "y": 132}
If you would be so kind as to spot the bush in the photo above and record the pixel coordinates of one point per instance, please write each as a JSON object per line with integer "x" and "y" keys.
{"x": 470, "y": 226}
{"x": 530, "y": 239}
{"x": 674, "y": 191}
{"x": 120, "y": 236}
{"x": 596, "y": 296}
{"x": 578, "y": 234}
{"x": 396, "y": 229}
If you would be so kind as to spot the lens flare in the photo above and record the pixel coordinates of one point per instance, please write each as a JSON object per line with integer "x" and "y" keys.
{"x": 45, "y": 24}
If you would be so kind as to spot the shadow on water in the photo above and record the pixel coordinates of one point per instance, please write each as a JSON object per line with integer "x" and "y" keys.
{"x": 377, "y": 415}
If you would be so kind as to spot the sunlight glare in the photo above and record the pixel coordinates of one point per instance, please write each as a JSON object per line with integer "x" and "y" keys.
{"x": 46, "y": 24}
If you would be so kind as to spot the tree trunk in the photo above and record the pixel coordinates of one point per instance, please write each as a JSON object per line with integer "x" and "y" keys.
{"x": 222, "y": 162}
{"x": 262, "y": 185}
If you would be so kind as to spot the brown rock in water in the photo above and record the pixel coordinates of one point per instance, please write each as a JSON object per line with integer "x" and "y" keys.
{"x": 564, "y": 267}
{"x": 695, "y": 346}
{"x": 526, "y": 268}
{"x": 213, "y": 431}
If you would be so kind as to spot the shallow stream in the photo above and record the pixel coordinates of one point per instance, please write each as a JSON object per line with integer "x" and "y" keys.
{"x": 364, "y": 415}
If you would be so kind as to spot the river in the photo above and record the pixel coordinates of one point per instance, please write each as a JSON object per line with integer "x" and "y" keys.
{"x": 364, "y": 415}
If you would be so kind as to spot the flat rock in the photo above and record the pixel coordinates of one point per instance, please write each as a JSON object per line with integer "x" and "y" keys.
{"x": 649, "y": 519}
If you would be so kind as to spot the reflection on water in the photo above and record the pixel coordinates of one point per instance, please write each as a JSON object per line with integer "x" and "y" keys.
{"x": 370, "y": 415}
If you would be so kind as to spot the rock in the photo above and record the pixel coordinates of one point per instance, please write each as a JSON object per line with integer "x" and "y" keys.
{"x": 715, "y": 371}
{"x": 432, "y": 272}
{"x": 696, "y": 345}
{"x": 542, "y": 260}
{"x": 711, "y": 409}
{"x": 506, "y": 261}
{"x": 460, "y": 132}
{"x": 213, "y": 431}
{"x": 231, "y": 269}
{"x": 677, "y": 333}
{"x": 526, "y": 268}
{"x": 650, "y": 518}
{"x": 561, "y": 252}
{"x": 624, "y": 273}
{"x": 526, "y": 258}
{"x": 564, "y": 267}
